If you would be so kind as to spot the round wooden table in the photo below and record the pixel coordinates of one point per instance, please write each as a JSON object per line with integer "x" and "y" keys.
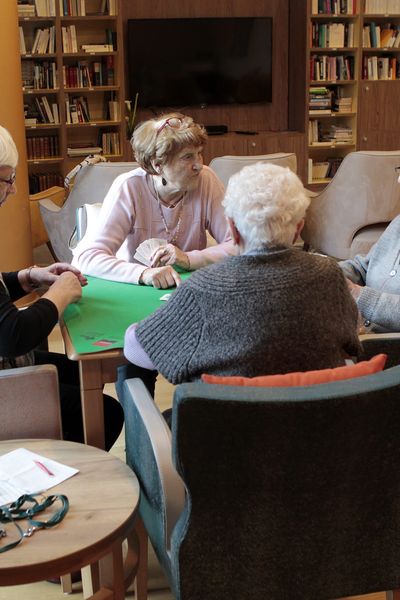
{"x": 103, "y": 499}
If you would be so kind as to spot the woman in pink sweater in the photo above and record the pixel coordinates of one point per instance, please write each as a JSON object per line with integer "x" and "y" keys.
{"x": 171, "y": 197}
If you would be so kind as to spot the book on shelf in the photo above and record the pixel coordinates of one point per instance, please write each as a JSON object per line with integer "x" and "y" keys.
{"x": 97, "y": 48}
{"x": 22, "y": 46}
{"x": 320, "y": 111}
{"x": 47, "y": 108}
{"x": 56, "y": 115}
{"x": 84, "y": 150}
{"x": 320, "y": 170}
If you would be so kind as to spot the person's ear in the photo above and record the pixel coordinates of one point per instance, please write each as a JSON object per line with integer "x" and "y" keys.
{"x": 236, "y": 237}
{"x": 299, "y": 229}
{"x": 157, "y": 167}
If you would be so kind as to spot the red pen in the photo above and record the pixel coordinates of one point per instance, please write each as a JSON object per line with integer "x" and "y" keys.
{"x": 43, "y": 467}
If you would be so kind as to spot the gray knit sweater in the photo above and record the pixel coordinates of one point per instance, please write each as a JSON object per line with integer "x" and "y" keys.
{"x": 379, "y": 273}
{"x": 273, "y": 312}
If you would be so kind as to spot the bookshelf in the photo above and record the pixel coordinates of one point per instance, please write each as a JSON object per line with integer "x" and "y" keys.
{"x": 334, "y": 28}
{"x": 73, "y": 84}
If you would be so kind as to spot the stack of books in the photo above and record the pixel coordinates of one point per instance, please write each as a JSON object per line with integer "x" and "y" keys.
{"x": 343, "y": 105}
{"x": 26, "y": 9}
{"x": 320, "y": 101}
{"x": 340, "y": 134}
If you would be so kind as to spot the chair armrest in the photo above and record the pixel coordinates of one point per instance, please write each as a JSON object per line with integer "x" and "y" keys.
{"x": 49, "y": 205}
{"x": 172, "y": 487}
{"x": 377, "y": 343}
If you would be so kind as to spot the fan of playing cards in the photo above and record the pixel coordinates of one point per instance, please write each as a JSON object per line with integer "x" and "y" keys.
{"x": 146, "y": 249}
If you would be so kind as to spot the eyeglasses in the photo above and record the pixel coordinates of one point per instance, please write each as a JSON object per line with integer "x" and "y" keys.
{"x": 173, "y": 122}
{"x": 10, "y": 181}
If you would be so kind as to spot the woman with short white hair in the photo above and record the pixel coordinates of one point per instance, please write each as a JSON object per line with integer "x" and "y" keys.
{"x": 271, "y": 309}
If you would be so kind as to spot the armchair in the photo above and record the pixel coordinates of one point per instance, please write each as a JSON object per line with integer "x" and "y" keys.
{"x": 91, "y": 185}
{"x": 350, "y": 214}
{"x": 225, "y": 166}
{"x": 271, "y": 492}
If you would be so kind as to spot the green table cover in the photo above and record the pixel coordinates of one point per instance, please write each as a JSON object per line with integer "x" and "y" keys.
{"x": 99, "y": 320}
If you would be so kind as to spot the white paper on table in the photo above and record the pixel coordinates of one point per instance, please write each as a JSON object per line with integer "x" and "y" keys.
{"x": 19, "y": 474}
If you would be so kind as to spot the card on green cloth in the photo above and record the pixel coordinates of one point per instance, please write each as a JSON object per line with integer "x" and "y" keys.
{"x": 99, "y": 320}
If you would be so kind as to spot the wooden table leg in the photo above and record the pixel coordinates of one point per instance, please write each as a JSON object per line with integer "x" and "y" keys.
{"x": 92, "y": 402}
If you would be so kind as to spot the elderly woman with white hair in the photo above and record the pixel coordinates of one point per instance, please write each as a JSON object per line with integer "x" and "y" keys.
{"x": 21, "y": 332}
{"x": 271, "y": 309}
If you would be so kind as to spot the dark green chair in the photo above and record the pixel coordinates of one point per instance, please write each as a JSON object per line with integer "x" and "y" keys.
{"x": 278, "y": 493}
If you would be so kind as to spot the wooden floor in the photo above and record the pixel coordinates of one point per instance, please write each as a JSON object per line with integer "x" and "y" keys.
{"x": 158, "y": 587}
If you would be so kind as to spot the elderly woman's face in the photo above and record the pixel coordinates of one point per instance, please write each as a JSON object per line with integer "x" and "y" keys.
{"x": 183, "y": 169}
{"x": 7, "y": 183}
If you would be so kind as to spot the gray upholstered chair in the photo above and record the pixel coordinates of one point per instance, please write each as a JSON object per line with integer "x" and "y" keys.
{"x": 271, "y": 492}
{"x": 350, "y": 214}
{"x": 30, "y": 403}
{"x": 91, "y": 185}
{"x": 225, "y": 166}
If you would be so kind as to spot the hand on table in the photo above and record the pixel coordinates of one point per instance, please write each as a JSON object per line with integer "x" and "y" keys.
{"x": 161, "y": 277}
{"x": 48, "y": 275}
{"x": 170, "y": 255}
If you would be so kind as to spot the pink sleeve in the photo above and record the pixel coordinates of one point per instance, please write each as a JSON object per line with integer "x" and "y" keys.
{"x": 97, "y": 255}
{"x": 134, "y": 351}
{"x": 212, "y": 194}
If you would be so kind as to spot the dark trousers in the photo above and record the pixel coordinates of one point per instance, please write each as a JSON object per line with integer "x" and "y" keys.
{"x": 70, "y": 397}
{"x": 149, "y": 379}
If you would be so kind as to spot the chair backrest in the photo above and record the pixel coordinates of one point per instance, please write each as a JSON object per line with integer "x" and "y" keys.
{"x": 350, "y": 214}
{"x": 30, "y": 403}
{"x": 283, "y": 484}
{"x": 91, "y": 185}
{"x": 225, "y": 166}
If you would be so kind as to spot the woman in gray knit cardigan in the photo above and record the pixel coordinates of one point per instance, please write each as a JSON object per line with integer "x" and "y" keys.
{"x": 271, "y": 309}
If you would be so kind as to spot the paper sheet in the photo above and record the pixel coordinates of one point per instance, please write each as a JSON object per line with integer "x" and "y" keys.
{"x": 24, "y": 472}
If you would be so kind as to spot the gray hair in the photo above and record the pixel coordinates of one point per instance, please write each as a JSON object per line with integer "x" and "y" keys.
{"x": 8, "y": 149}
{"x": 266, "y": 202}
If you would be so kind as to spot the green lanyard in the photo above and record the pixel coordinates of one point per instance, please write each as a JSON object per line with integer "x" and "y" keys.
{"x": 26, "y": 507}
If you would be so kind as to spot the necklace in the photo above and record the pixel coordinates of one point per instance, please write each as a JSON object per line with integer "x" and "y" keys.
{"x": 172, "y": 236}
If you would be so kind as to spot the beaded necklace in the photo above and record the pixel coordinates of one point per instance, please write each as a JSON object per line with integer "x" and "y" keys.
{"x": 172, "y": 236}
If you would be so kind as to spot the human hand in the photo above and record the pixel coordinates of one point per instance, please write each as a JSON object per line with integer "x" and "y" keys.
{"x": 161, "y": 277}
{"x": 355, "y": 290}
{"x": 48, "y": 275}
{"x": 170, "y": 255}
{"x": 65, "y": 289}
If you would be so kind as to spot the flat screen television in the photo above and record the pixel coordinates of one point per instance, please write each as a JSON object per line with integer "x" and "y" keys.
{"x": 206, "y": 61}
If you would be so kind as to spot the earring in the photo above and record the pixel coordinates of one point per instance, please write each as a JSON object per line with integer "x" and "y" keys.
{"x": 163, "y": 181}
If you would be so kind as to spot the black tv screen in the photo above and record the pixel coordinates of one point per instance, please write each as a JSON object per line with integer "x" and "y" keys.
{"x": 187, "y": 62}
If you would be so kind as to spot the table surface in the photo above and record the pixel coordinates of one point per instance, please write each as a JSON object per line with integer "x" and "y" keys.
{"x": 103, "y": 499}
{"x": 99, "y": 320}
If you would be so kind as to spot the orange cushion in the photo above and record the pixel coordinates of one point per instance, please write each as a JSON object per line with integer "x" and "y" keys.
{"x": 367, "y": 367}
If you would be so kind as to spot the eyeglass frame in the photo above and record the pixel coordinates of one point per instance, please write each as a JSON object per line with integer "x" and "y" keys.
{"x": 168, "y": 124}
{"x": 10, "y": 181}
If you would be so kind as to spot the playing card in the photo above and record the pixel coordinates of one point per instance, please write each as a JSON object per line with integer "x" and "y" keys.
{"x": 146, "y": 250}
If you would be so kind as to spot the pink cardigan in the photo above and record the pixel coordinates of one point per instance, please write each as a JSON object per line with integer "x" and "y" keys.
{"x": 130, "y": 215}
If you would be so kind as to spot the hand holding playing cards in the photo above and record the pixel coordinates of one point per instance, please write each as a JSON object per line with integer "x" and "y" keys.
{"x": 170, "y": 255}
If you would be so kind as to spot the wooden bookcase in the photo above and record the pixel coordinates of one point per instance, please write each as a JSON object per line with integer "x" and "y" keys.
{"x": 374, "y": 85}
{"x": 333, "y": 61}
{"x": 85, "y": 87}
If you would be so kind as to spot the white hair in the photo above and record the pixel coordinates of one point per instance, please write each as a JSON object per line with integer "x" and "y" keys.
{"x": 8, "y": 149}
{"x": 266, "y": 202}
